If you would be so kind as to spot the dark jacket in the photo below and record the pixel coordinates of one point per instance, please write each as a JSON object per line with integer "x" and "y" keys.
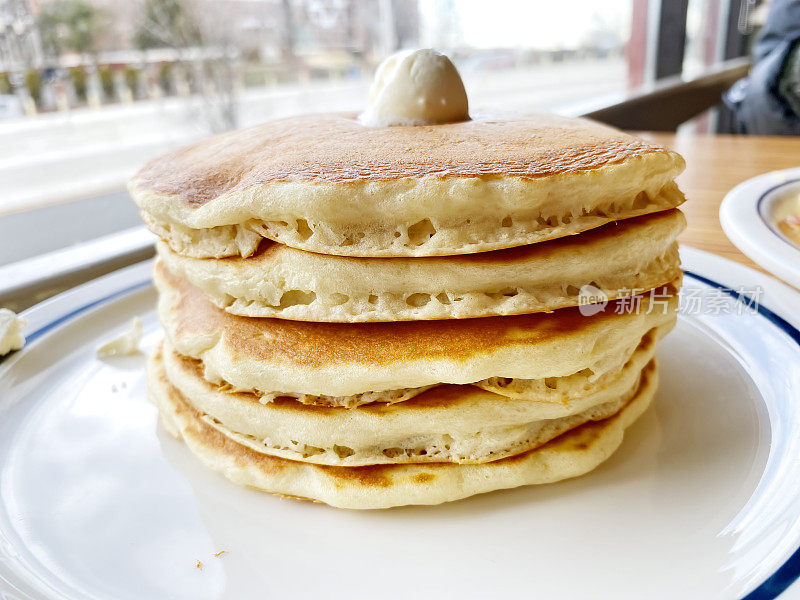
{"x": 760, "y": 102}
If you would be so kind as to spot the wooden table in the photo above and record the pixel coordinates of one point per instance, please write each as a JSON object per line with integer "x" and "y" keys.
{"x": 714, "y": 165}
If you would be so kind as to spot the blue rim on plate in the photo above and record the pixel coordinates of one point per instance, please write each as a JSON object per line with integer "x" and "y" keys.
{"x": 81, "y": 309}
{"x": 772, "y": 587}
{"x": 789, "y": 571}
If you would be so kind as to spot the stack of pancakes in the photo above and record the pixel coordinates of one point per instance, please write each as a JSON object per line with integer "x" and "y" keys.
{"x": 378, "y": 316}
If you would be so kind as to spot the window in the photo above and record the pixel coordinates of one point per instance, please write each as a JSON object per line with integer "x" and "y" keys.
{"x": 91, "y": 89}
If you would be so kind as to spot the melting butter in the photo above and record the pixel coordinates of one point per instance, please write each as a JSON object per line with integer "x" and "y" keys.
{"x": 11, "y": 326}
{"x": 125, "y": 344}
{"x": 416, "y": 87}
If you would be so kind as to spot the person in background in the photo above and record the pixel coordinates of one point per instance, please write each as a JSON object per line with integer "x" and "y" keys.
{"x": 767, "y": 101}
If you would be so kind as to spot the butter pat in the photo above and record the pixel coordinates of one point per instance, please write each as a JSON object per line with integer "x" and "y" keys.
{"x": 11, "y": 337}
{"x": 125, "y": 344}
{"x": 416, "y": 87}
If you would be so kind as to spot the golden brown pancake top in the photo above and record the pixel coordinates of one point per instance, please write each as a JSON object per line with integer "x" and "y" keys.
{"x": 335, "y": 148}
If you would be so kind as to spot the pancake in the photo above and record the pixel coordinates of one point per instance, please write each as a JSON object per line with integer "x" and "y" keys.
{"x": 575, "y": 388}
{"x": 615, "y": 260}
{"x": 569, "y": 390}
{"x": 447, "y": 423}
{"x": 327, "y": 184}
{"x": 342, "y": 359}
{"x": 571, "y": 454}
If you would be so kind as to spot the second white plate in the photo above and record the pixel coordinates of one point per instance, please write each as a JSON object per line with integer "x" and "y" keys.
{"x": 745, "y": 214}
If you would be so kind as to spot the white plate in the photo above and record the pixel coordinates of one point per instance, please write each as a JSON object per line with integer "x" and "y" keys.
{"x": 701, "y": 501}
{"x": 745, "y": 217}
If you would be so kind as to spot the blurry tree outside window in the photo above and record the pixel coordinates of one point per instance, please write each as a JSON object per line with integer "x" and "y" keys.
{"x": 91, "y": 89}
